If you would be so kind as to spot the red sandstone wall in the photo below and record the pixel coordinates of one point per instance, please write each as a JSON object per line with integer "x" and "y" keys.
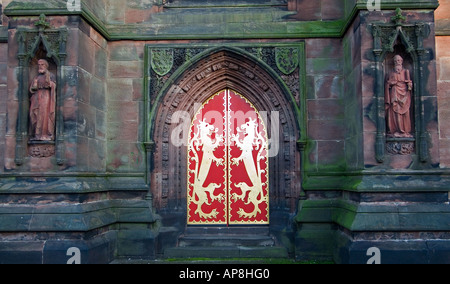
{"x": 125, "y": 106}
{"x": 443, "y": 83}
{"x": 326, "y": 110}
{"x": 3, "y": 95}
{"x": 90, "y": 100}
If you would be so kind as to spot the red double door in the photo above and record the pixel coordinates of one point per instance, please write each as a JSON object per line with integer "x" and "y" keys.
{"x": 228, "y": 163}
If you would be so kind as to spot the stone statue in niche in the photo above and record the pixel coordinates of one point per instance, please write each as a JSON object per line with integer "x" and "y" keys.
{"x": 398, "y": 101}
{"x": 43, "y": 104}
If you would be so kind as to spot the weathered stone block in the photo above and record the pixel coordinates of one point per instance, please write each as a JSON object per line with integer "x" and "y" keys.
{"x": 3, "y": 73}
{"x": 123, "y": 131}
{"x": 97, "y": 155}
{"x": 87, "y": 57}
{"x": 101, "y": 65}
{"x": 125, "y": 69}
{"x": 13, "y": 109}
{"x": 86, "y": 120}
{"x": 444, "y": 153}
{"x": 13, "y": 83}
{"x": 444, "y": 72}
{"x": 95, "y": 251}
{"x": 123, "y": 51}
{"x": 311, "y": 87}
{"x": 136, "y": 242}
{"x": 324, "y": 48}
{"x": 443, "y": 92}
{"x": 84, "y": 85}
{"x": 3, "y": 52}
{"x": 72, "y": 50}
{"x": 400, "y": 161}
{"x": 123, "y": 111}
{"x": 442, "y": 43}
{"x": 328, "y": 87}
{"x": 369, "y": 148}
{"x": 21, "y": 252}
{"x": 325, "y": 109}
{"x": 313, "y": 242}
{"x": 392, "y": 252}
{"x": 116, "y": 12}
{"x": 70, "y": 110}
{"x": 3, "y": 98}
{"x": 327, "y": 129}
{"x": 100, "y": 125}
{"x": 98, "y": 94}
{"x": 333, "y": 9}
{"x": 133, "y": 16}
{"x": 138, "y": 90}
{"x": 120, "y": 89}
{"x": 444, "y": 115}
{"x": 331, "y": 154}
{"x": 82, "y": 153}
{"x": 324, "y": 66}
{"x": 118, "y": 159}
{"x": 137, "y": 157}
{"x": 308, "y": 10}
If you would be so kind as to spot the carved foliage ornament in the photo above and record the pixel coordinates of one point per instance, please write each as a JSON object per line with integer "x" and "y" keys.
{"x": 400, "y": 148}
{"x": 284, "y": 60}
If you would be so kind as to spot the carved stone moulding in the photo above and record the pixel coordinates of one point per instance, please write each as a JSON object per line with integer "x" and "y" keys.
{"x": 199, "y": 71}
{"x": 287, "y": 60}
{"x": 41, "y": 150}
{"x": 400, "y": 148}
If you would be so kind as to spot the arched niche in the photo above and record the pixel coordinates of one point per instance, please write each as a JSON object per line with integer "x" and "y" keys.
{"x": 34, "y": 44}
{"x": 200, "y": 77}
{"x": 407, "y": 40}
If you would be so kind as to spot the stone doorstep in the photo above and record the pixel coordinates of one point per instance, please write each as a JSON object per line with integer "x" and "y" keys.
{"x": 226, "y": 236}
{"x": 226, "y": 252}
{"x": 225, "y": 240}
{"x": 212, "y": 3}
{"x": 238, "y": 230}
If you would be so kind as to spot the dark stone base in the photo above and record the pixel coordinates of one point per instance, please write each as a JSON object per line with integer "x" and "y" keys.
{"x": 405, "y": 225}
{"x": 103, "y": 249}
{"x": 96, "y": 251}
{"x": 176, "y": 240}
{"x": 394, "y": 251}
{"x": 318, "y": 243}
{"x": 226, "y": 252}
{"x": 315, "y": 242}
{"x": 63, "y": 213}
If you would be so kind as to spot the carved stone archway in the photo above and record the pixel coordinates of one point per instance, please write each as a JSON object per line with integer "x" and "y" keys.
{"x": 211, "y": 72}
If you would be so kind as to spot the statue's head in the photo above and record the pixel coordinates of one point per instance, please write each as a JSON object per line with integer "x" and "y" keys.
{"x": 43, "y": 66}
{"x": 398, "y": 60}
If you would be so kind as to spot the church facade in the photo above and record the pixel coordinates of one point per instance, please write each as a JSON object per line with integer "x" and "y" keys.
{"x": 312, "y": 130}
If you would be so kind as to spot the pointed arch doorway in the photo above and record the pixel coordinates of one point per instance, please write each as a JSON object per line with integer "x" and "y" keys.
{"x": 228, "y": 163}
